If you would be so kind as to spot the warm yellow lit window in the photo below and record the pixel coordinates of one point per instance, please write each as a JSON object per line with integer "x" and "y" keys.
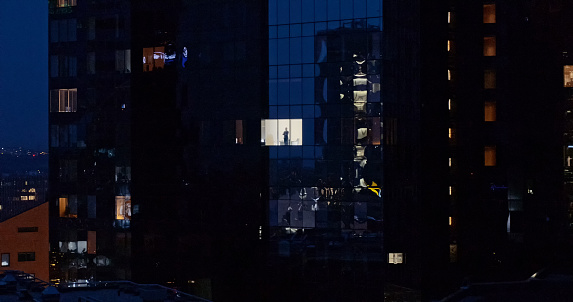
{"x": 490, "y": 156}
{"x": 23, "y": 197}
{"x": 450, "y": 132}
{"x": 123, "y": 207}
{"x": 489, "y": 46}
{"x": 489, "y": 13}
{"x": 450, "y": 189}
{"x": 66, "y": 3}
{"x": 450, "y": 218}
{"x": 568, "y": 76}
{"x": 68, "y": 208}
{"x": 489, "y": 81}
{"x": 449, "y": 17}
{"x": 448, "y": 45}
{"x": 449, "y": 104}
{"x": 63, "y": 100}
{"x": 450, "y": 162}
{"x": 449, "y": 75}
{"x": 489, "y": 111}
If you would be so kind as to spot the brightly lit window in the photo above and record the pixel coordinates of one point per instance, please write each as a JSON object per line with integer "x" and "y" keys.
{"x": 123, "y": 207}
{"x": 153, "y": 58}
{"x": 395, "y": 258}
{"x": 568, "y": 76}
{"x": 489, "y": 46}
{"x": 5, "y": 259}
{"x": 490, "y": 156}
{"x": 281, "y": 132}
{"x": 64, "y": 100}
{"x": 68, "y": 207}
{"x": 489, "y": 13}
{"x": 66, "y": 3}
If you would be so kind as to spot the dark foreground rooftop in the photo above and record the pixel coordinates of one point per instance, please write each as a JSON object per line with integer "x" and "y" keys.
{"x": 18, "y": 286}
{"x": 551, "y": 284}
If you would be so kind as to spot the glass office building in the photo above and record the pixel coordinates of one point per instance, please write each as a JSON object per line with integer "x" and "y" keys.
{"x": 323, "y": 133}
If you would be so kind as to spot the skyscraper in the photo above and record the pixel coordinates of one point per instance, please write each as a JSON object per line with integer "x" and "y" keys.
{"x": 90, "y": 166}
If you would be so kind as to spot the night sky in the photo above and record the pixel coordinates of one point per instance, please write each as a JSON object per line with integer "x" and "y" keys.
{"x": 24, "y": 74}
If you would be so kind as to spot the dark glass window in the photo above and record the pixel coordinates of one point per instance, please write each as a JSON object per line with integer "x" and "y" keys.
{"x": 29, "y": 256}
{"x": 27, "y": 229}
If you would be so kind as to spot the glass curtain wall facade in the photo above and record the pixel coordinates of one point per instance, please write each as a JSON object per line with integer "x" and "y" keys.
{"x": 323, "y": 134}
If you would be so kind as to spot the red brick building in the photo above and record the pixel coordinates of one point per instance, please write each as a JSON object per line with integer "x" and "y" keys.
{"x": 24, "y": 242}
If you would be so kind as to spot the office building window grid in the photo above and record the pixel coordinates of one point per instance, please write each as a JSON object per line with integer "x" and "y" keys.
{"x": 325, "y": 97}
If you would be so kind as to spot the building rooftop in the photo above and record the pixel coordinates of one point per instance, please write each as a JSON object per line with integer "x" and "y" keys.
{"x": 550, "y": 284}
{"x": 19, "y": 286}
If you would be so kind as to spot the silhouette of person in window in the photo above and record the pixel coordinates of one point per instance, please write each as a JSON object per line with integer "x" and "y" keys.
{"x": 285, "y": 135}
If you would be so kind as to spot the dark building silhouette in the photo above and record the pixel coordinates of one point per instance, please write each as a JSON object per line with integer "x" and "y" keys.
{"x": 90, "y": 140}
{"x": 281, "y": 150}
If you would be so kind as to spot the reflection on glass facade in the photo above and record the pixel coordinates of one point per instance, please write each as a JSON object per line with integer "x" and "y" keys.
{"x": 325, "y": 195}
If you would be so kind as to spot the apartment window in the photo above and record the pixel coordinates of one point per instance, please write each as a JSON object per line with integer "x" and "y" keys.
{"x": 281, "y": 132}
{"x": 489, "y": 81}
{"x": 453, "y": 252}
{"x": 239, "y": 138}
{"x": 450, "y": 190}
{"x": 90, "y": 60}
{"x": 27, "y": 229}
{"x": 123, "y": 207}
{"x": 568, "y": 76}
{"x": 28, "y": 256}
{"x": 449, "y": 45}
{"x": 450, "y": 220}
{"x": 123, "y": 60}
{"x": 489, "y": 13}
{"x": 489, "y": 111}
{"x": 449, "y": 75}
{"x": 63, "y": 100}
{"x": 69, "y": 169}
{"x": 449, "y": 17}
{"x": 489, "y": 46}
{"x": 395, "y": 258}
{"x": 153, "y": 58}
{"x": 68, "y": 206}
{"x": 91, "y": 28}
{"x": 449, "y": 104}
{"x": 92, "y": 206}
{"x": 66, "y": 3}
{"x": 490, "y": 156}
{"x": 5, "y": 259}
{"x": 91, "y": 242}
{"x": 63, "y": 66}
{"x": 63, "y": 30}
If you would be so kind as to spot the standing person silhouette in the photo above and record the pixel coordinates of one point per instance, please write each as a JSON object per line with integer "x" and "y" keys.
{"x": 285, "y": 135}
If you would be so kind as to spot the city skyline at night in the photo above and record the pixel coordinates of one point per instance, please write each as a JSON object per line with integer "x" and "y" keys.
{"x": 341, "y": 150}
